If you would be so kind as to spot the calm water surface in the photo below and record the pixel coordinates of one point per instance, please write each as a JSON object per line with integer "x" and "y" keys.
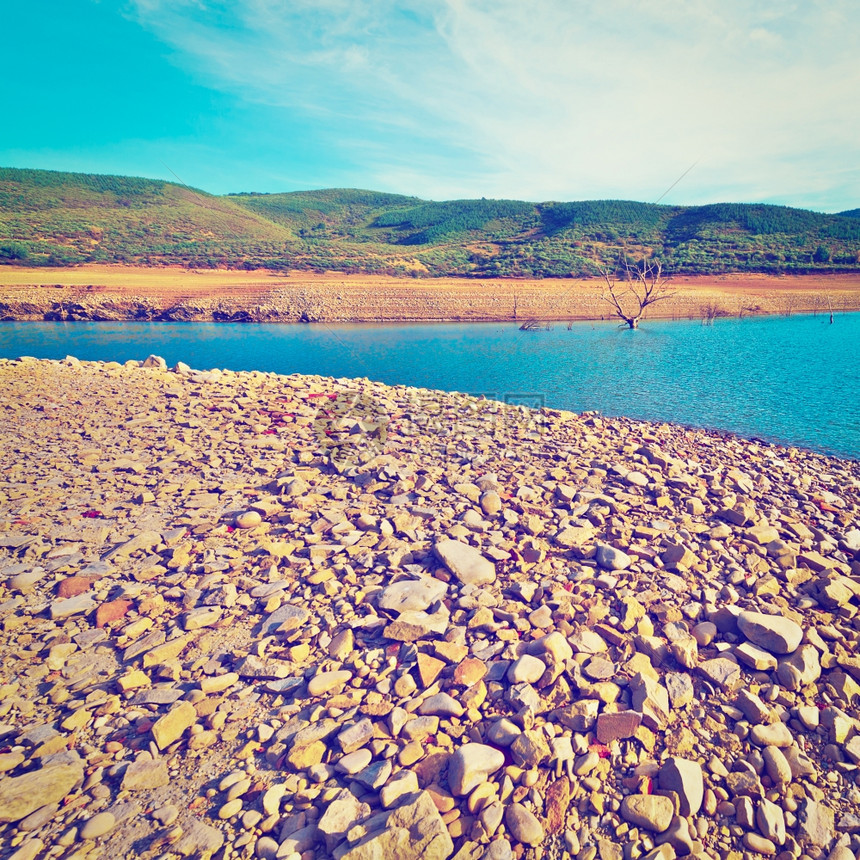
{"x": 794, "y": 380}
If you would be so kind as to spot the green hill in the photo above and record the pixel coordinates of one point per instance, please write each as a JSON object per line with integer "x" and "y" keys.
{"x": 52, "y": 218}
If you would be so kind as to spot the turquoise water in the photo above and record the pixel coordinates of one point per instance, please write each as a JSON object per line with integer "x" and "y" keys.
{"x": 794, "y": 380}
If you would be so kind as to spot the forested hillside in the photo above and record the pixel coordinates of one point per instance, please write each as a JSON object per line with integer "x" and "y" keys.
{"x": 59, "y": 219}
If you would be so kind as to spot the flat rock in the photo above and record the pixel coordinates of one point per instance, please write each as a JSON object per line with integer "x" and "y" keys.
{"x": 815, "y": 823}
{"x": 112, "y": 611}
{"x": 651, "y": 699}
{"x": 800, "y": 668}
{"x": 199, "y": 839}
{"x": 413, "y": 831}
{"x": 286, "y": 618}
{"x": 615, "y": 727}
{"x": 470, "y": 671}
{"x": 202, "y": 616}
{"x": 679, "y": 686}
{"x": 412, "y": 594}
{"x": 355, "y": 736}
{"x": 465, "y": 562}
{"x": 771, "y": 821}
{"x": 144, "y": 774}
{"x": 172, "y": 725}
{"x": 725, "y": 673}
{"x": 574, "y": 536}
{"x": 65, "y": 608}
{"x": 415, "y": 624}
{"x": 340, "y": 815}
{"x": 72, "y": 586}
{"x": 22, "y": 795}
{"x": 26, "y": 581}
{"x": 404, "y": 783}
{"x": 145, "y": 540}
{"x": 755, "y": 657}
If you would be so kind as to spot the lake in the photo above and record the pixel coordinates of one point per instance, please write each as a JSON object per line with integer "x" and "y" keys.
{"x": 793, "y": 380}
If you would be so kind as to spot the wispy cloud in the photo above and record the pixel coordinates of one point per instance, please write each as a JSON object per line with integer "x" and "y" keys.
{"x": 556, "y": 99}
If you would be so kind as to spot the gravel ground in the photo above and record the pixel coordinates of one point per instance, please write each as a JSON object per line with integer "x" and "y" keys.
{"x": 246, "y": 615}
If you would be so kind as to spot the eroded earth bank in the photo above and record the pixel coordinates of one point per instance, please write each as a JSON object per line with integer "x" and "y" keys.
{"x": 113, "y": 293}
{"x": 247, "y": 616}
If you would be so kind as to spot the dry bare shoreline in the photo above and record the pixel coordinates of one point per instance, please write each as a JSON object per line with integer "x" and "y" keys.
{"x": 126, "y": 293}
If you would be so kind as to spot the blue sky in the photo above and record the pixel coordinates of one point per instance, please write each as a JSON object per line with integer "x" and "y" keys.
{"x": 539, "y": 100}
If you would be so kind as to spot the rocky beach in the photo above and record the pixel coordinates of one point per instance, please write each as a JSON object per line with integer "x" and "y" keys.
{"x": 256, "y": 616}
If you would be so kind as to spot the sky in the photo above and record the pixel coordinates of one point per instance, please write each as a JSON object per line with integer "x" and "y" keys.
{"x": 681, "y": 101}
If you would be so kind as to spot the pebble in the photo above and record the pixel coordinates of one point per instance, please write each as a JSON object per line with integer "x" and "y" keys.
{"x": 526, "y": 669}
{"x": 775, "y": 735}
{"x": 442, "y": 705}
{"x": 471, "y": 764}
{"x": 99, "y": 825}
{"x": 611, "y": 558}
{"x": 326, "y": 682}
{"x": 231, "y": 808}
{"x": 653, "y": 812}
{"x": 774, "y": 633}
{"x": 355, "y": 762}
{"x": 524, "y": 825}
{"x": 248, "y": 519}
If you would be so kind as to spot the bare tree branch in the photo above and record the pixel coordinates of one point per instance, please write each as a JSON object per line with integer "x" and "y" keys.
{"x": 644, "y": 285}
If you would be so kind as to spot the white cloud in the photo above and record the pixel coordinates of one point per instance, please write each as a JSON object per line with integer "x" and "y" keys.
{"x": 557, "y": 99}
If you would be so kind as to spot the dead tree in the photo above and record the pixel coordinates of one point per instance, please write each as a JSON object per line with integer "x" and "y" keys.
{"x": 789, "y": 304}
{"x": 829, "y": 300}
{"x": 710, "y": 311}
{"x": 535, "y": 325}
{"x": 630, "y": 290}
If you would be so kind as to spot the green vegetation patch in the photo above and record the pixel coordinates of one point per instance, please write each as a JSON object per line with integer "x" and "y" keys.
{"x": 54, "y": 218}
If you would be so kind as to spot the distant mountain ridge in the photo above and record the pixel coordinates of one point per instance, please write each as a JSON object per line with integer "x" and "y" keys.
{"x": 54, "y": 218}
